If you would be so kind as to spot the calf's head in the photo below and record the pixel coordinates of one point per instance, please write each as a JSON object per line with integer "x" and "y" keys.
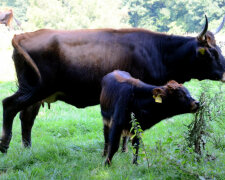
{"x": 175, "y": 99}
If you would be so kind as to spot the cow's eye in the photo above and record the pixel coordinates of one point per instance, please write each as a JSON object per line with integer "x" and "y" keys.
{"x": 180, "y": 95}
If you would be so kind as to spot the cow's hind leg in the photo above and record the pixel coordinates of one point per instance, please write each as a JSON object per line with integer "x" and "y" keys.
{"x": 8, "y": 115}
{"x": 11, "y": 106}
{"x": 27, "y": 117}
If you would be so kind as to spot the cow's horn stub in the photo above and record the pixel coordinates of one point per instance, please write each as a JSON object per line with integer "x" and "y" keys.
{"x": 220, "y": 26}
{"x": 201, "y": 36}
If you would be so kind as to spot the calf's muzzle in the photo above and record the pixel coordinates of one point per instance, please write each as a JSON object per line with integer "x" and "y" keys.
{"x": 223, "y": 78}
{"x": 195, "y": 106}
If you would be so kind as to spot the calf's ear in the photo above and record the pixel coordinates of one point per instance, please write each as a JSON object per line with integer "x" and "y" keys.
{"x": 157, "y": 94}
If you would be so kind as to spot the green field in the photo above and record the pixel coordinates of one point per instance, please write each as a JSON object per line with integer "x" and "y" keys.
{"x": 68, "y": 142}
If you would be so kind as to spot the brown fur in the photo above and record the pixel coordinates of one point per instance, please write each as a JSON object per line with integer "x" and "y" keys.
{"x": 210, "y": 39}
{"x": 130, "y": 80}
{"x": 173, "y": 85}
{"x": 168, "y": 88}
{"x": 106, "y": 101}
{"x": 16, "y": 44}
{"x": 6, "y": 17}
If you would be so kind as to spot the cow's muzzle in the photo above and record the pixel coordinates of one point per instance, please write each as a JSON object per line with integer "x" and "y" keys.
{"x": 223, "y": 77}
{"x": 195, "y": 106}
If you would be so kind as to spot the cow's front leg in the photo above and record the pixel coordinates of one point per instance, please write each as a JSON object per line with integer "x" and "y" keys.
{"x": 27, "y": 117}
{"x": 114, "y": 141}
{"x": 135, "y": 144}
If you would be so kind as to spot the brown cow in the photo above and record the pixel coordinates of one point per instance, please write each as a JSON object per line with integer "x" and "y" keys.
{"x": 69, "y": 66}
{"x": 6, "y": 17}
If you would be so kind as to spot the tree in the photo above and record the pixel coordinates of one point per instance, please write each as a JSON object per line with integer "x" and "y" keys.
{"x": 175, "y": 16}
{"x": 68, "y": 14}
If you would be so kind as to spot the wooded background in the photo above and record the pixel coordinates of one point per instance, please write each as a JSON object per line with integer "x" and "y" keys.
{"x": 177, "y": 17}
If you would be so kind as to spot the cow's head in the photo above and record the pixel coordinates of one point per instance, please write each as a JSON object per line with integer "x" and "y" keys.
{"x": 210, "y": 62}
{"x": 6, "y": 17}
{"x": 175, "y": 98}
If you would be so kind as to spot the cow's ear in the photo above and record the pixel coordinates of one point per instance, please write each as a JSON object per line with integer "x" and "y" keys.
{"x": 208, "y": 54}
{"x": 158, "y": 93}
{"x": 202, "y": 51}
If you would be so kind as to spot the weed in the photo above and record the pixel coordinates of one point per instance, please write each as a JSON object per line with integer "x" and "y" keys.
{"x": 211, "y": 109}
{"x": 136, "y": 128}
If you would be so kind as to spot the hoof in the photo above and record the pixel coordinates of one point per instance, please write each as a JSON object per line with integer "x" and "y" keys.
{"x": 26, "y": 145}
{"x": 3, "y": 148}
{"x": 135, "y": 162}
{"x": 124, "y": 150}
{"x": 107, "y": 162}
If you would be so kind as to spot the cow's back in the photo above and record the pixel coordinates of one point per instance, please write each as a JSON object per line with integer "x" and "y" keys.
{"x": 117, "y": 88}
{"x": 90, "y": 53}
{"x": 74, "y": 62}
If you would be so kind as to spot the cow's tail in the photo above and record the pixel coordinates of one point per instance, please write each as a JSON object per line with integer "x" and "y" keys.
{"x": 27, "y": 58}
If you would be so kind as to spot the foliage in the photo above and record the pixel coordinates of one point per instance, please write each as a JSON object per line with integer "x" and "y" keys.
{"x": 176, "y": 17}
{"x": 197, "y": 130}
{"x": 212, "y": 109}
{"x": 169, "y": 15}
{"x": 67, "y": 14}
{"x": 136, "y": 128}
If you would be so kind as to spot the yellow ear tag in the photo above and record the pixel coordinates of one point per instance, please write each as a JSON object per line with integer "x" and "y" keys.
{"x": 158, "y": 99}
{"x": 202, "y": 51}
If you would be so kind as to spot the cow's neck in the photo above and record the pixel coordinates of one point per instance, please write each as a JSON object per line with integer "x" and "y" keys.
{"x": 178, "y": 55}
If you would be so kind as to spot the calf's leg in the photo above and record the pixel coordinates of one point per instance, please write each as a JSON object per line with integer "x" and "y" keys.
{"x": 118, "y": 122}
{"x": 114, "y": 141}
{"x": 27, "y": 117}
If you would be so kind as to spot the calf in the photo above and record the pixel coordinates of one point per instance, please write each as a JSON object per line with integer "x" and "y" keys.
{"x": 122, "y": 94}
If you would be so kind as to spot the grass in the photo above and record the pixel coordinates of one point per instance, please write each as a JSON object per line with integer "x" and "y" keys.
{"x": 68, "y": 142}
